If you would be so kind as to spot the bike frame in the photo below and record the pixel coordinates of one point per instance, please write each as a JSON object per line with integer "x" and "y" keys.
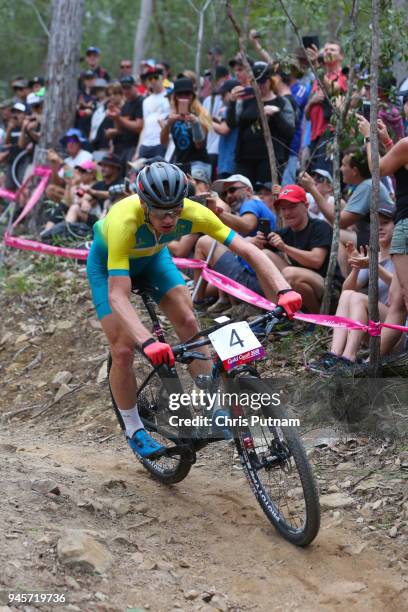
{"x": 185, "y": 353}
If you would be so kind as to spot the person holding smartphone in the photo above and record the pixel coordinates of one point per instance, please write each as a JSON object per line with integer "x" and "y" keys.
{"x": 188, "y": 123}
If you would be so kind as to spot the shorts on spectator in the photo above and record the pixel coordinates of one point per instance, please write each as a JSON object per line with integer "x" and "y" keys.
{"x": 399, "y": 243}
{"x": 230, "y": 266}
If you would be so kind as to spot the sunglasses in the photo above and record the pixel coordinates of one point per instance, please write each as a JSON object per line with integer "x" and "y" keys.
{"x": 18, "y": 88}
{"x": 231, "y": 190}
{"x": 153, "y": 77}
{"x": 126, "y": 65}
{"x": 318, "y": 178}
{"x": 161, "y": 213}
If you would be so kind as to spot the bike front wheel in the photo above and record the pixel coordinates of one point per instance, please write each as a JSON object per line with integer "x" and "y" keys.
{"x": 276, "y": 466}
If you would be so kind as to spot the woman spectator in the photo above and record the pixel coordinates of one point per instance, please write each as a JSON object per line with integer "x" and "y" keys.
{"x": 98, "y": 116}
{"x": 354, "y": 304}
{"x": 188, "y": 124}
{"x": 102, "y": 142}
{"x": 252, "y": 157}
{"x": 394, "y": 162}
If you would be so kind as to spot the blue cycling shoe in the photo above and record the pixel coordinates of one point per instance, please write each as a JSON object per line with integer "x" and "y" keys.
{"x": 220, "y": 426}
{"x": 144, "y": 445}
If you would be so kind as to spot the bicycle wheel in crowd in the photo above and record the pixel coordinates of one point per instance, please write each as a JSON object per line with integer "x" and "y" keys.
{"x": 153, "y": 405}
{"x": 19, "y": 167}
{"x": 278, "y": 470}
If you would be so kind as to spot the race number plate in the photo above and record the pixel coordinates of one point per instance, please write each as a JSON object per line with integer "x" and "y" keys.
{"x": 236, "y": 344}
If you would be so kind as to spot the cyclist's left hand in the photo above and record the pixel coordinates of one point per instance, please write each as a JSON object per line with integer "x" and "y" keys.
{"x": 291, "y": 302}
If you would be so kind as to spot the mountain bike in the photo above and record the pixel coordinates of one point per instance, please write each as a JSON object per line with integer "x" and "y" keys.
{"x": 271, "y": 453}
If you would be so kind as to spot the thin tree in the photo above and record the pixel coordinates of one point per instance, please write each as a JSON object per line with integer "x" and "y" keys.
{"x": 139, "y": 47}
{"x": 373, "y": 312}
{"x": 242, "y": 34}
{"x": 61, "y": 73}
{"x": 339, "y": 112}
{"x": 200, "y": 32}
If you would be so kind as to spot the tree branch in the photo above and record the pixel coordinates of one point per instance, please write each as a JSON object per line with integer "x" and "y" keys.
{"x": 38, "y": 15}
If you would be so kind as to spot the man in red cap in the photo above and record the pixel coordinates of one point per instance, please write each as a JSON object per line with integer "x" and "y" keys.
{"x": 302, "y": 248}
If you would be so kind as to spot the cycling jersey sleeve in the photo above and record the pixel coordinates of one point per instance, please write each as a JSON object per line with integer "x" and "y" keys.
{"x": 206, "y": 222}
{"x": 120, "y": 238}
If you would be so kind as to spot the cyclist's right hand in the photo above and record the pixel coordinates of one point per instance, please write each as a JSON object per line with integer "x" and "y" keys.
{"x": 158, "y": 353}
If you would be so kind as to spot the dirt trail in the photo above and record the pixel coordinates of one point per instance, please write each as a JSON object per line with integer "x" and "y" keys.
{"x": 199, "y": 545}
{"x": 204, "y": 535}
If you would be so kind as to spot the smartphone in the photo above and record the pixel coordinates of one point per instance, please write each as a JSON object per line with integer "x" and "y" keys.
{"x": 366, "y": 109}
{"x": 183, "y": 105}
{"x": 264, "y": 226}
{"x": 246, "y": 92}
{"x": 309, "y": 41}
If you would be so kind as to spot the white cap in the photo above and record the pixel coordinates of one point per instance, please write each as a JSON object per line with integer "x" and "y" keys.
{"x": 19, "y": 106}
{"x": 325, "y": 173}
{"x": 32, "y": 98}
{"x": 219, "y": 186}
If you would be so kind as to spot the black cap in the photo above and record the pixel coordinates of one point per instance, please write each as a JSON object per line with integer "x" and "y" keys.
{"x": 262, "y": 71}
{"x": 127, "y": 80}
{"x": 88, "y": 74}
{"x": 266, "y": 185}
{"x": 183, "y": 85}
{"x": 215, "y": 50}
{"x": 228, "y": 86}
{"x": 94, "y": 50}
{"x": 387, "y": 209}
{"x": 220, "y": 72}
{"x": 111, "y": 160}
{"x": 37, "y": 80}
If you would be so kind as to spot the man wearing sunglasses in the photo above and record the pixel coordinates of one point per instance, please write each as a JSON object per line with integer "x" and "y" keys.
{"x": 130, "y": 244}
{"x": 156, "y": 108}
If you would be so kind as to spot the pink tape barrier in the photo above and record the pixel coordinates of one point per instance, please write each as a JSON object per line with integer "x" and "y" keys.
{"x": 218, "y": 280}
{"x": 45, "y": 173}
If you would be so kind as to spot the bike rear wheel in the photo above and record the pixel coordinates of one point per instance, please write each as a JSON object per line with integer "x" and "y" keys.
{"x": 277, "y": 468}
{"x": 153, "y": 405}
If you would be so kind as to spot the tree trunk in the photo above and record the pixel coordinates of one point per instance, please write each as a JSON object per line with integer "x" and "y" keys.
{"x": 331, "y": 269}
{"x": 62, "y": 73}
{"x": 375, "y": 364}
{"x": 200, "y": 35}
{"x": 146, "y": 8}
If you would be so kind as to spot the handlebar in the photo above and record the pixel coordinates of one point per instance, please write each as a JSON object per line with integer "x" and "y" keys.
{"x": 185, "y": 352}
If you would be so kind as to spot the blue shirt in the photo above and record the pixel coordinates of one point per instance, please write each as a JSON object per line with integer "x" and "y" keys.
{"x": 261, "y": 211}
{"x": 300, "y": 92}
{"x": 227, "y": 146}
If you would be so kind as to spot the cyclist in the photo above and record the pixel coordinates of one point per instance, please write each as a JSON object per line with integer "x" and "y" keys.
{"x": 130, "y": 244}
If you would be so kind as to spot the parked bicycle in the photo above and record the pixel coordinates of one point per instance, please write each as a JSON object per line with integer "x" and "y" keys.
{"x": 272, "y": 455}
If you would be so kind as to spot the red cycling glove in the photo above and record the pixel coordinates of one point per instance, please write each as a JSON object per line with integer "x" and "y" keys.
{"x": 290, "y": 301}
{"x": 158, "y": 353}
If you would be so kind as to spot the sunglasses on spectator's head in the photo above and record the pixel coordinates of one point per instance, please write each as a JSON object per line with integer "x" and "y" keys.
{"x": 231, "y": 190}
{"x": 161, "y": 213}
{"x": 126, "y": 65}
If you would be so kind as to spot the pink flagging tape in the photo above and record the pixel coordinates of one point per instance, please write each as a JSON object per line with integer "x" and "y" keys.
{"x": 41, "y": 247}
{"x": 35, "y": 196}
{"x": 218, "y": 280}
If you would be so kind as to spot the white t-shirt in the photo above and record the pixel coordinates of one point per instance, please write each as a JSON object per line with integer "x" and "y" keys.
{"x": 213, "y": 139}
{"x": 155, "y": 107}
{"x": 75, "y": 161}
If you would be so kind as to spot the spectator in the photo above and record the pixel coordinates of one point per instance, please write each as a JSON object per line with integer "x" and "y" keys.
{"x": 265, "y": 193}
{"x": 189, "y": 74}
{"x": 356, "y": 173}
{"x": 405, "y": 103}
{"x": 304, "y": 248}
{"x": 103, "y": 143}
{"x": 354, "y": 304}
{"x": 6, "y": 113}
{"x": 164, "y": 66}
{"x": 98, "y": 116}
{"x": 86, "y": 103}
{"x": 252, "y": 157}
{"x": 20, "y": 89}
{"x": 112, "y": 174}
{"x": 11, "y": 141}
{"x": 228, "y": 137}
{"x": 318, "y": 109}
{"x": 201, "y": 180}
{"x": 36, "y": 84}
{"x": 324, "y": 184}
{"x": 239, "y": 69}
{"x": 156, "y": 108}
{"x": 128, "y": 121}
{"x": 214, "y": 56}
{"x": 213, "y": 105}
{"x": 31, "y": 128}
{"x": 63, "y": 169}
{"x": 93, "y": 58}
{"x": 188, "y": 124}
{"x": 389, "y": 114}
{"x": 237, "y": 192}
{"x": 125, "y": 68}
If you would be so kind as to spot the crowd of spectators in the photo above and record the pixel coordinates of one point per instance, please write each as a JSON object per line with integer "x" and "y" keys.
{"x": 210, "y": 126}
